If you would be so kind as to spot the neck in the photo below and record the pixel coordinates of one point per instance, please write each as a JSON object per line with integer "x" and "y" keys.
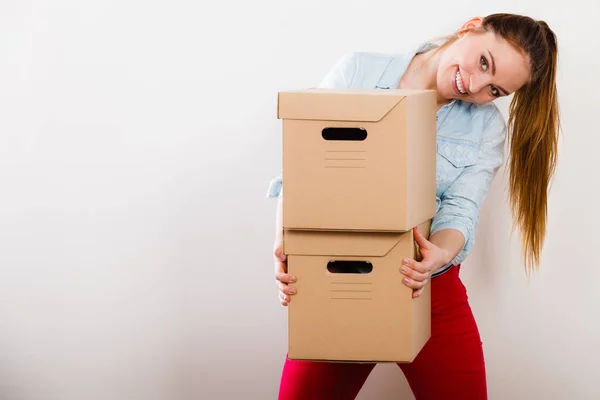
{"x": 421, "y": 73}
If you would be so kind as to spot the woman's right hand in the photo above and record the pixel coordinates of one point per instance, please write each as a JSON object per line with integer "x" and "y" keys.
{"x": 282, "y": 278}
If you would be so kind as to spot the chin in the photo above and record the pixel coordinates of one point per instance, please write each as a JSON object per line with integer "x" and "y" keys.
{"x": 449, "y": 95}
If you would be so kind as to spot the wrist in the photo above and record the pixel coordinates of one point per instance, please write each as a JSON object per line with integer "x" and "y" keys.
{"x": 445, "y": 258}
{"x": 450, "y": 242}
{"x": 448, "y": 257}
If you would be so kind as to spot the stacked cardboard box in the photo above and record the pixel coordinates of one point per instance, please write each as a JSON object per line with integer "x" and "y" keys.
{"x": 358, "y": 175}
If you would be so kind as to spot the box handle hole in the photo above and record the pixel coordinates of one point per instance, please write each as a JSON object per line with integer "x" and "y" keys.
{"x": 353, "y": 134}
{"x": 349, "y": 267}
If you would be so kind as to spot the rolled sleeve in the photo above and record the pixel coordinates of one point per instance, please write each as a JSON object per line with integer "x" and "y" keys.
{"x": 275, "y": 186}
{"x": 460, "y": 203}
{"x": 341, "y": 75}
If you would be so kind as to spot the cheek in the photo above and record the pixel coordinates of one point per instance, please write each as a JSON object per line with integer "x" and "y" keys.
{"x": 471, "y": 66}
{"x": 447, "y": 69}
{"x": 445, "y": 82}
{"x": 444, "y": 77}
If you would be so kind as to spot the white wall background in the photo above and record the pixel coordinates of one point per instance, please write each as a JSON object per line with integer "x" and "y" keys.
{"x": 136, "y": 143}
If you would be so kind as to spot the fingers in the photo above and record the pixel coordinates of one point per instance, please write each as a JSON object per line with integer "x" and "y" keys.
{"x": 285, "y": 288}
{"x": 285, "y": 300}
{"x": 285, "y": 293}
{"x": 283, "y": 279}
{"x": 416, "y": 274}
{"x": 282, "y": 276}
{"x": 417, "y": 293}
{"x": 422, "y": 267}
{"x": 414, "y": 284}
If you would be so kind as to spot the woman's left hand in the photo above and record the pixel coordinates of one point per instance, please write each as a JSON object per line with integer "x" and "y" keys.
{"x": 417, "y": 273}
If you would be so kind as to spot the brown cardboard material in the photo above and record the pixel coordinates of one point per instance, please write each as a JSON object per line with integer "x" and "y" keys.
{"x": 378, "y": 174}
{"x": 354, "y": 317}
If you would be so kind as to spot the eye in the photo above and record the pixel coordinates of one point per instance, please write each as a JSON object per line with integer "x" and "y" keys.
{"x": 495, "y": 91}
{"x": 484, "y": 63}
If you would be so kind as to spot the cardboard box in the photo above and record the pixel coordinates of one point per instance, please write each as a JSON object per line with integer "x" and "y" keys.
{"x": 358, "y": 159}
{"x": 351, "y": 304}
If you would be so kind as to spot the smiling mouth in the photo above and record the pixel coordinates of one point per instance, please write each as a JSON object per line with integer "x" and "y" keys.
{"x": 459, "y": 83}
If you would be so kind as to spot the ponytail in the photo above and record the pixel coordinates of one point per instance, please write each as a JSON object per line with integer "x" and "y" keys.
{"x": 534, "y": 125}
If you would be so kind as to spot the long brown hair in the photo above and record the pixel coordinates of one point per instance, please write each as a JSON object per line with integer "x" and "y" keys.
{"x": 533, "y": 124}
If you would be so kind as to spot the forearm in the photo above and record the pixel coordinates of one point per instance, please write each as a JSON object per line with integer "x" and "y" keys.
{"x": 450, "y": 240}
{"x": 279, "y": 220}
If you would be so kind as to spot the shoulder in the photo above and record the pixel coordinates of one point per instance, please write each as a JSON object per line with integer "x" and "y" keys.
{"x": 479, "y": 122}
{"x": 366, "y": 59}
{"x": 490, "y": 116}
{"x": 467, "y": 131}
{"x": 493, "y": 126}
{"x": 359, "y": 69}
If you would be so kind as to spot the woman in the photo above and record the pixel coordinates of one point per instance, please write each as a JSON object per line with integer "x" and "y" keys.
{"x": 487, "y": 58}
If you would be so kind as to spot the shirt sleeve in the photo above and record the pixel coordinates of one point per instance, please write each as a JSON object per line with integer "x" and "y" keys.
{"x": 341, "y": 75}
{"x": 460, "y": 203}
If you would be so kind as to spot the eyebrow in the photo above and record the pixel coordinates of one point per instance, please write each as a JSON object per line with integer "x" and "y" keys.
{"x": 494, "y": 73}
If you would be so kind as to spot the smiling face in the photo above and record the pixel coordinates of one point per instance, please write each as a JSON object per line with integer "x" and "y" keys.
{"x": 480, "y": 67}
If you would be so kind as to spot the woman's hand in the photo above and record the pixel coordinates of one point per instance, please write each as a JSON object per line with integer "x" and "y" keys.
{"x": 281, "y": 276}
{"x": 417, "y": 273}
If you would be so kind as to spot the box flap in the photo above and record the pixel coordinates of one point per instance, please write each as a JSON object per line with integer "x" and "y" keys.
{"x": 366, "y": 105}
{"x": 347, "y": 243}
{"x": 340, "y": 243}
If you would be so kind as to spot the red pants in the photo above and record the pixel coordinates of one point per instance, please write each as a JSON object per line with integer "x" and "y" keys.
{"x": 450, "y": 366}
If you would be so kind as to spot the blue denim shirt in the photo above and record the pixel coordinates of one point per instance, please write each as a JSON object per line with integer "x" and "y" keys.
{"x": 470, "y": 143}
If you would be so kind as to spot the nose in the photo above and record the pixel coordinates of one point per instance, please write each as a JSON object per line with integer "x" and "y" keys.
{"x": 478, "y": 81}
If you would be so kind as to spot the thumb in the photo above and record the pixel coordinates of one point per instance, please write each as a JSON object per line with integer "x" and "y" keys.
{"x": 420, "y": 239}
{"x": 279, "y": 252}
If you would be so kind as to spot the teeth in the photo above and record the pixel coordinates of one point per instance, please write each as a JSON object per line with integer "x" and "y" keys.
{"x": 459, "y": 83}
